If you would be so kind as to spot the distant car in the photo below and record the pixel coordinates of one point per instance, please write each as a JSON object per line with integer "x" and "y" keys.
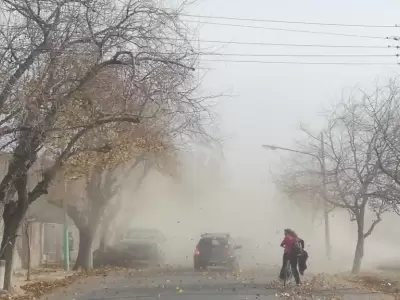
{"x": 216, "y": 250}
{"x": 133, "y": 253}
{"x": 144, "y": 234}
{"x": 136, "y": 248}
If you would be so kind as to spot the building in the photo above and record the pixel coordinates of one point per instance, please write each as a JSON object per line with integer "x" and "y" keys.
{"x": 43, "y": 225}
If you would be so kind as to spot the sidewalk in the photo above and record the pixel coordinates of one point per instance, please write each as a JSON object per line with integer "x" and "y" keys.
{"x": 44, "y": 281}
{"x": 37, "y": 275}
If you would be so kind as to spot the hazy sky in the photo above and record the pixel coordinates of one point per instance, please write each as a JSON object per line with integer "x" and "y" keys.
{"x": 270, "y": 100}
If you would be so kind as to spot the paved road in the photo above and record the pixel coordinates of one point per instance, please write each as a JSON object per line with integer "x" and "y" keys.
{"x": 188, "y": 285}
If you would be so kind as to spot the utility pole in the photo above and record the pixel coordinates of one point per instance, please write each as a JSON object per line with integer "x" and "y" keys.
{"x": 65, "y": 230}
{"x": 324, "y": 195}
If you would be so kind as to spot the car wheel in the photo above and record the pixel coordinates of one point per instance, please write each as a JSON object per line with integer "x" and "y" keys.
{"x": 98, "y": 258}
{"x": 198, "y": 266}
{"x": 234, "y": 267}
{"x": 160, "y": 262}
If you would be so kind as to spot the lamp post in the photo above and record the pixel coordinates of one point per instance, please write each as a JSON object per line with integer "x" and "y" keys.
{"x": 321, "y": 161}
{"x": 65, "y": 231}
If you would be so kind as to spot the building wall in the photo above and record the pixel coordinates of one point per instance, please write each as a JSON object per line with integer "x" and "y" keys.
{"x": 35, "y": 241}
{"x": 19, "y": 255}
{"x": 46, "y": 245}
{"x": 53, "y": 243}
{"x": 45, "y": 238}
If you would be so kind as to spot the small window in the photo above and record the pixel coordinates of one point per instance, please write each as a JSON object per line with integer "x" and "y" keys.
{"x": 204, "y": 243}
{"x": 222, "y": 241}
{"x": 216, "y": 243}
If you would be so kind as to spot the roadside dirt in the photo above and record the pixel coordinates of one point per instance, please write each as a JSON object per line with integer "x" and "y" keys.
{"x": 337, "y": 286}
{"x": 44, "y": 281}
{"x": 386, "y": 282}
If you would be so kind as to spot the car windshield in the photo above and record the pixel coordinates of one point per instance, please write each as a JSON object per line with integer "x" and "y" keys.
{"x": 207, "y": 242}
{"x": 212, "y": 242}
{"x": 144, "y": 234}
{"x": 222, "y": 241}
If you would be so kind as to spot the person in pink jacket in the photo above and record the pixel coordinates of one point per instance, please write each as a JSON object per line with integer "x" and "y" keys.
{"x": 290, "y": 254}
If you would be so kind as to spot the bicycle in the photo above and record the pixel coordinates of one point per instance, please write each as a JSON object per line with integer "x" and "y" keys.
{"x": 287, "y": 273}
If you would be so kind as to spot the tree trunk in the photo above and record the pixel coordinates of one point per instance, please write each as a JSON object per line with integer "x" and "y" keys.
{"x": 106, "y": 223}
{"x": 28, "y": 254}
{"x": 8, "y": 256}
{"x": 359, "y": 253}
{"x": 103, "y": 236}
{"x": 21, "y": 249}
{"x": 85, "y": 239}
{"x": 12, "y": 216}
{"x": 85, "y": 248}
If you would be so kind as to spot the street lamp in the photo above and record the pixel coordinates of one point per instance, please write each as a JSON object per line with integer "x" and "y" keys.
{"x": 321, "y": 161}
{"x": 65, "y": 228}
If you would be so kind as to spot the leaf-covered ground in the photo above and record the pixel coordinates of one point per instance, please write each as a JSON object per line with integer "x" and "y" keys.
{"x": 37, "y": 288}
{"x": 386, "y": 282}
{"x": 312, "y": 288}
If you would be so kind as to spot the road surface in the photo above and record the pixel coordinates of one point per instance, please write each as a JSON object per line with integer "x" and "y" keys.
{"x": 185, "y": 284}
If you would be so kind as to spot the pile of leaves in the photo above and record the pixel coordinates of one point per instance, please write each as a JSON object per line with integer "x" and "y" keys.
{"x": 310, "y": 289}
{"x": 40, "y": 288}
{"x": 24, "y": 297}
{"x": 378, "y": 283}
{"x": 37, "y": 289}
{"x": 325, "y": 282}
{"x": 105, "y": 270}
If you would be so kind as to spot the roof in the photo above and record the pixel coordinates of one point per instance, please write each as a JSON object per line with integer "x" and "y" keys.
{"x": 144, "y": 234}
{"x": 42, "y": 211}
{"x": 137, "y": 242}
{"x": 216, "y": 235}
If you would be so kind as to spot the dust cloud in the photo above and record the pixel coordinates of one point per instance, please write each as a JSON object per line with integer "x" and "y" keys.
{"x": 248, "y": 206}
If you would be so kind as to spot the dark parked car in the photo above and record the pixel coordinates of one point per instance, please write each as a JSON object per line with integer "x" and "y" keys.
{"x": 216, "y": 250}
{"x": 136, "y": 248}
{"x": 133, "y": 253}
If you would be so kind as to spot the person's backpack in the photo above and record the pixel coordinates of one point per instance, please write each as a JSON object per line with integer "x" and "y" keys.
{"x": 297, "y": 247}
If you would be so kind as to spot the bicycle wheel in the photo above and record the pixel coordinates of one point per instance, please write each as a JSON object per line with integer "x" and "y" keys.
{"x": 287, "y": 275}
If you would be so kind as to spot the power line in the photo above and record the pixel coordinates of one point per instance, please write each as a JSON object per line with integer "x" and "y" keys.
{"x": 264, "y": 21}
{"x": 289, "y": 22}
{"x": 285, "y": 45}
{"x": 242, "y": 43}
{"x": 268, "y": 55}
{"x": 299, "y": 62}
{"x": 72, "y": 51}
{"x": 300, "y": 55}
{"x": 76, "y": 51}
{"x": 293, "y": 30}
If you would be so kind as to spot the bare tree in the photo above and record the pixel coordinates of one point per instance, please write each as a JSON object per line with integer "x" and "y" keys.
{"x": 100, "y": 189}
{"x": 52, "y": 53}
{"x": 103, "y": 175}
{"x": 137, "y": 174}
{"x": 301, "y": 182}
{"x": 383, "y": 105}
{"x": 26, "y": 229}
{"x": 355, "y": 181}
{"x": 93, "y": 200}
{"x": 114, "y": 147}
